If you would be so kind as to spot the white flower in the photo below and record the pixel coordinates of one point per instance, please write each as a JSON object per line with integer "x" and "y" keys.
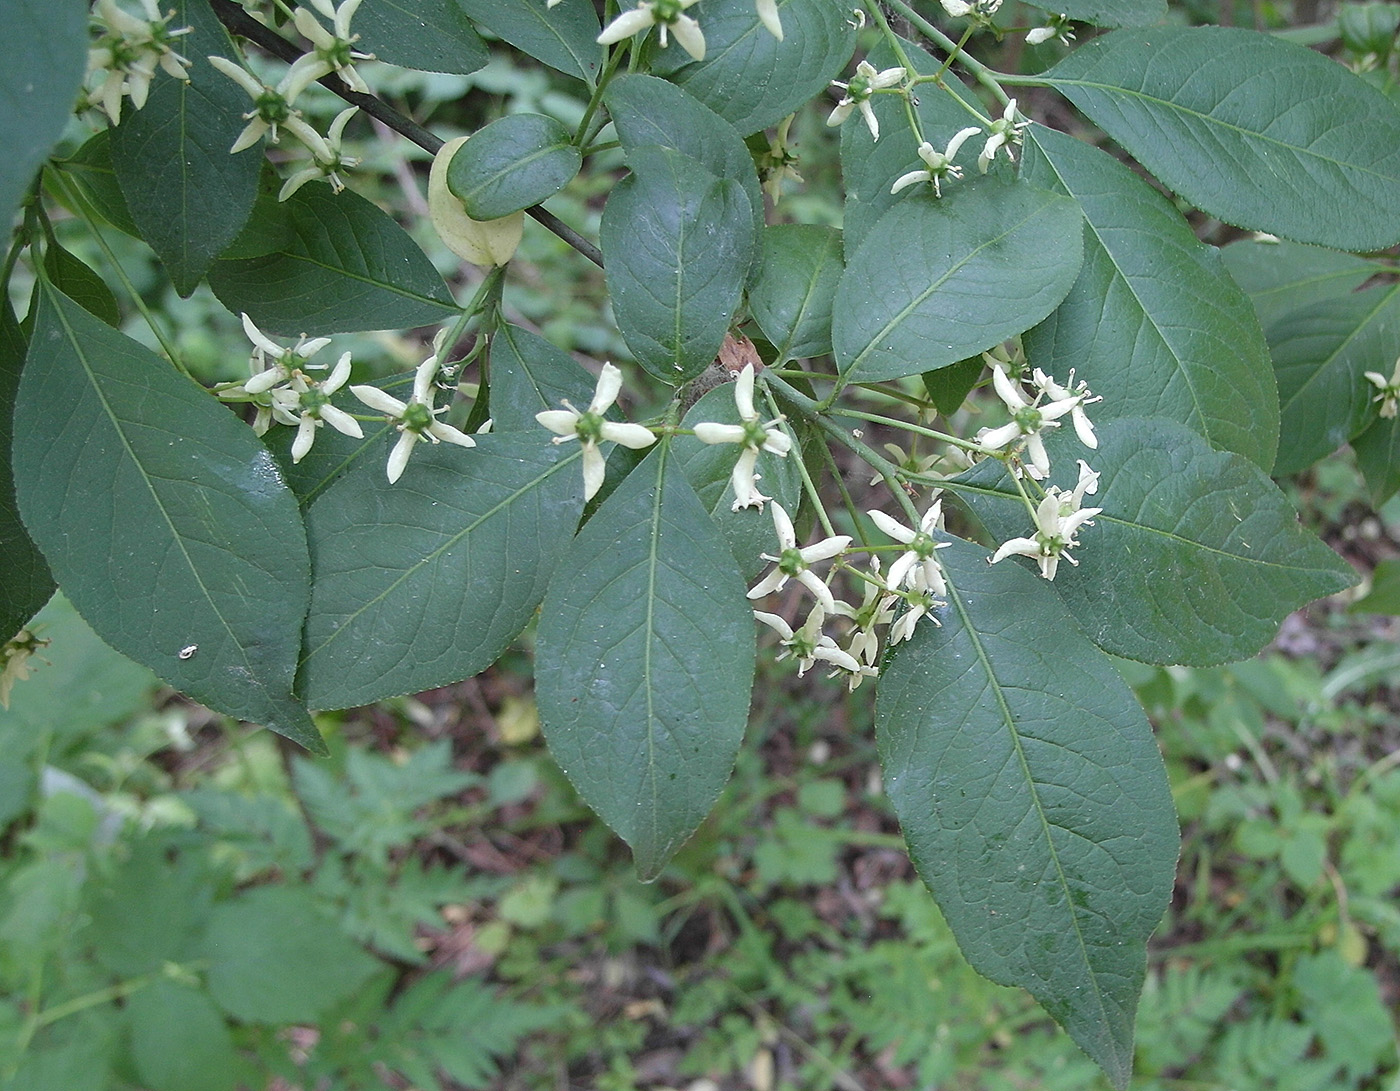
{"x": 917, "y": 566}
{"x": 1081, "y": 396}
{"x": 863, "y": 84}
{"x": 876, "y": 608}
{"x": 272, "y": 111}
{"x": 1389, "y": 396}
{"x": 590, "y": 428}
{"x": 977, "y": 8}
{"x": 918, "y": 604}
{"x": 754, "y": 436}
{"x": 778, "y": 162}
{"x": 14, "y": 661}
{"x": 938, "y": 165}
{"x": 768, "y": 16}
{"x": 793, "y": 563}
{"x": 1057, "y": 27}
{"x": 417, "y": 420}
{"x": 809, "y": 644}
{"x": 1058, "y": 518}
{"x": 328, "y": 168}
{"x": 127, "y": 53}
{"x": 271, "y": 365}
{"x": 1006, "y": 133}
{"x": 330, "y": 52}
{"x": 1028, "y": 420}
{"x": 668, "y": 15}
{"x": 307, "y": 404}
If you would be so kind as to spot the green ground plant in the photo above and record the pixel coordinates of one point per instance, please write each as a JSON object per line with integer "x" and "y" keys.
{"x": 1113, "y": 397}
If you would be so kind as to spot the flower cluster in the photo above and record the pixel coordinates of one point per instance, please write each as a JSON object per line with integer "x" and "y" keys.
{"x": 128, "y": 50}
{"x": 1032, "y": 416}
{"x": 1058, "y": 517}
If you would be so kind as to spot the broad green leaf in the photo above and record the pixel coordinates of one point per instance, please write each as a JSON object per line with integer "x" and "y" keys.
{"x": 427, "y": 581}
{"x": 334, "y": 454}
{"x": 1384, "y": 595}
{"x": 274, "y": 957}
{"x": 646, "y": 656}
{"x": 751, "y": 79}
{"x": 709, "y": 469}
{"x": 1377, "y": 451}
{"x": 74, "y": 1054}
{"x": 199, "y": 198}
{"x": 1154, "y": 323}
{"x": 1343, "y": 1003}
{"x": 1281, "y": 276}
{"x": 792, "y": 295}
{"x": 528, "y": 376}
{"x": 515, "y": 162}
{"x": 1107, "y": 13}
{"x": 649, "y": 111}
{"x": 948, "y": 387}
{"x": 677, "y": 242}
{"x": 1196, "y": 558}
{"x": 132, "y": 933}
{"x": 27, "y": 584}
{"x": 870, "y": 167}
{"x": 1033, "y": 797}
{"x": 165, "y": 540}
{"x": 1252, "y": 129}
{"x": 80, "y": 284}
{"x": 46, "y": 44}
{"x": 90, "y": 169}
{"x": 563, "y": 37}
{"x": 179, "y": 1040}
{"x": 427, "y": 35}
{"x": 1321, "y": 354}
{"x": 347, "y": 266}
{"x": 936, "y": 281}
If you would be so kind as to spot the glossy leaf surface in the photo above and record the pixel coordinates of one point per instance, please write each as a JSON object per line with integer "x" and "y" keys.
{"x": 1321, "y": 356}
{"x": 428, "y": 35}
{"x": 563, "y": 37}
{"x": 792, "y": 295}
{"x": 751, "y": 79}
{"x": 345, "y": 265}
{"x": 1197, "y": 557}
{"x": 514, "y": 162}
{"x": 27, "y": 584}
{"x": 198, "y": 200}
{"x": 529, "y": 375}
{"x": 164, "y": 540}
{"x": 1153, "y": 323}
{"x": 1034, "y": 800}
{"x": 936, "y": 281}
{"x": 1259, "y": 132}
{"x": 426, "y": 581}
{"x": 1108, "y": 13}
{"x": 646, "y": 656}
{"x": 677, "y": 242}
{"x": 1282, "y": 276}
{"x": 1377, "y": 452}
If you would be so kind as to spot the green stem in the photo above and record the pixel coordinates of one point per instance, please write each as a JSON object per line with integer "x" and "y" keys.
{"x": 980, "y": 72}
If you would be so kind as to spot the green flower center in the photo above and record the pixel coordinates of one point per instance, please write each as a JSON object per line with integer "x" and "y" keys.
{"x": 755, "y": 435}
{"x": 417, "y": 417}
{"x": 311, "y": 401}
{"x": 272, "y": 108}
{"x": 590, "y": 428}
{"x": 859, "y": 89}
{"x": 1028, "y": 420}
{"x": 667, "y": 11}
{"x": 790, "y": 563}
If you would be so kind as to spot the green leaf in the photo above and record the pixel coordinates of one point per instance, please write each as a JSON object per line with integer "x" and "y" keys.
{"x": 709, "y": 467}
{"x": 179, "y": 1040}
{"x": 936, "y": 281}
{"x": 1154, "y": 323}
{"x": 274, "y": 957}
{"x": 132, "y": 933}
{"x": 792, "y": 295}
{"x": 948, "y": 387}
{"x": 46, "y": 45}
{"x": 80, "y": 284}
{"x": 1321, "y": 354}
{"x": 649, "y": 111}
{"x": 528, "y": 376}
{"x": 1034, "y": 800}
{"x": 90, "y": 169}
{"x": 1281, "y": 276}
{"x": 677, "y": 243}
{"x": 1384, "y": 595}
{"x": 427, "y": 581}
{"x": 751, "y": 79}
{"x": 1343, "y": 1003}
{"x": 164, "y": 540}
{"x": 426, "y": 35}
{"x": 1197, "y": 557}
{"x": 199, "y": 198}
{"x": 513, "y": 163}
{"x": 27, "y": 584}
{"x": 1107, "y": 13}
{"x": 347, "y": 266}
{"x": 1377, "y": 451}
{"x": 1252, "y": 129}
{"x": 646, "y": 656}
{"x": 563, "y": 37}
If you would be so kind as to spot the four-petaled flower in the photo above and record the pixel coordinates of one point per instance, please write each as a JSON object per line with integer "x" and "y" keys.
{"x": 591, "y": 429}
{"x": 1028, "y": 420}
{"x": 917, "y": 567}
{"x": 938, "y": 164}
{"x": 1058, "y": 518}
{"x": 417, "y": 419}
{"x": 327, "y": 160}
{"x": 330, "y": 52}
{"x": 863, "y": 84}
{"x": 271, "y": 113}
{"x": 1057, "y": 393}
{"x": 669, "y": 15}
{"x": 128, "y": 52}
{"x": 790, "y": 562}
{"x": 307, "y": 405}
{"x": 1006, "y": 133}
{"x": 809, "y": 644}
{"x": 1389, "y": 396}
{"x": 269, "y": 366}
{"x": 753, "y": 435}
